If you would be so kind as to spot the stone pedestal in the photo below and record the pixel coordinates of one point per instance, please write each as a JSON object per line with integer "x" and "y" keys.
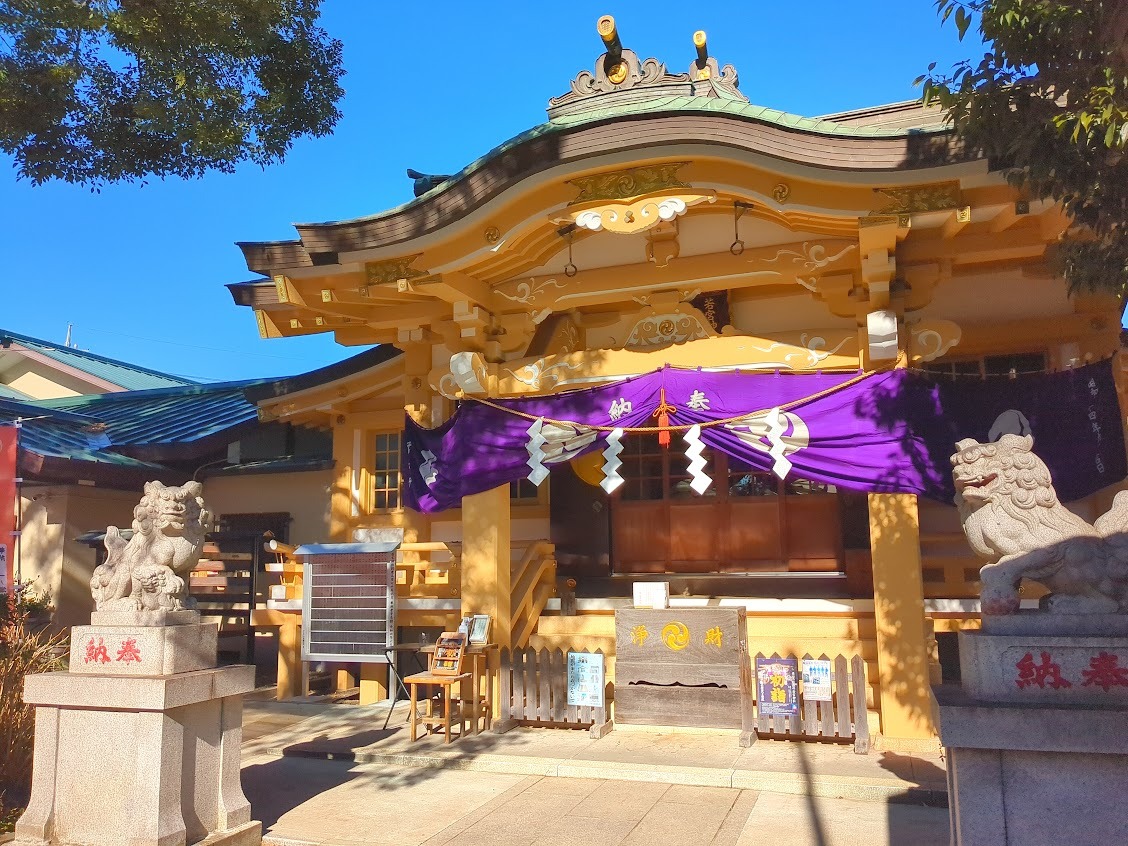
{"x": 1037, "y": 734}
{"x": 139, "y": 746}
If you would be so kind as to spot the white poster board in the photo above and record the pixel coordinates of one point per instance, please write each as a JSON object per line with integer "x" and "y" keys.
{"x": 651, "y": 594}
{"x": 816, "y": 680}
{"x": 585, "y": 679}
{"x": 3, "y": 568}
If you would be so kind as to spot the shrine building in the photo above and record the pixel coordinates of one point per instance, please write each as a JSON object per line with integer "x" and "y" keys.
{"x": 669, "y": 335}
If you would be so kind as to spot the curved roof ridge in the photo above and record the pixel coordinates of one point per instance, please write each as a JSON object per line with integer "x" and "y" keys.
{"x": 648, "y": 107}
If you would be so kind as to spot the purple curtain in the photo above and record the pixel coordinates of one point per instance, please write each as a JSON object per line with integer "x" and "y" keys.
{"x": 885, "y": 432}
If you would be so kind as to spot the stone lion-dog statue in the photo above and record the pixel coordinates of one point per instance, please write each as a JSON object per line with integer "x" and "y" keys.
{"x": 149, "y": 571}
{"x": 1013, "y": 520}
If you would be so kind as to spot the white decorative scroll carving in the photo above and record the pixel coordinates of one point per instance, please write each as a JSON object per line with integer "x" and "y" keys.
{"x": 930, "y": 339}
{"x": 527, "y": 292}
{"x": 537, "y": 376}
{"x": 813, "y": 352}
{"x": 812, "y": 257}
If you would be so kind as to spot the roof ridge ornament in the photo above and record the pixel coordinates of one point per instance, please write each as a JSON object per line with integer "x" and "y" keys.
{"x": 620, "y": 77}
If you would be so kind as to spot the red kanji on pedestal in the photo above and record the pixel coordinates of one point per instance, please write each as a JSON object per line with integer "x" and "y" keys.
{"x": 96, "y": 652}
{"x": 1105, "y": 671}
{"x": 129, "y": 651}
{"x": 1042, "y": 674}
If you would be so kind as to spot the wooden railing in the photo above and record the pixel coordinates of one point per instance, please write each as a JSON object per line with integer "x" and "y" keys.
{"x": 533, "y": 583}
{"x": 432, "y": 569}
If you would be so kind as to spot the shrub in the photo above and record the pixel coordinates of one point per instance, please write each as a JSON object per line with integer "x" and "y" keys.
{"x": 25, "y": 648}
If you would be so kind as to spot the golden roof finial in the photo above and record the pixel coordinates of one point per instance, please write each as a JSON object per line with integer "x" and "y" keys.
{"x": 702, "y": 63}
{"x": 614, "y": 66}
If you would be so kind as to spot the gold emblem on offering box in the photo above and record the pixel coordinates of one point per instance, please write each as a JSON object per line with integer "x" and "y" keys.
{"x": 713, "y": 637}
{"x": 639, "y": 634}
{"x": 675, "y": 636}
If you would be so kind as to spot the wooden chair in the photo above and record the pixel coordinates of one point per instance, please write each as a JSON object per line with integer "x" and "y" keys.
{"x": 445, "y": 671}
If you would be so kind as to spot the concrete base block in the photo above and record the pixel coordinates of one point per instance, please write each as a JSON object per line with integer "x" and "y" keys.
{"x": 1037, "y": 668}
{"x": 1033, "y": 774}
{"x": 138, "y": 761}
{"x": 143, "y": 650}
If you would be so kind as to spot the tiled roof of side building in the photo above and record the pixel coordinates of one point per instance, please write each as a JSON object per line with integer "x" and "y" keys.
{"x": 126, "y": 376}
{"x": 165, "y": 416}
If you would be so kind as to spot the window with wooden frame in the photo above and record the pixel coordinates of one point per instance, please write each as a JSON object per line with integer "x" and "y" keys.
{"x": 1010, "y": 364}
{"x": 746, "y": 521}
{"x": 386, "y": 472}
{"x": 524, "y": 492}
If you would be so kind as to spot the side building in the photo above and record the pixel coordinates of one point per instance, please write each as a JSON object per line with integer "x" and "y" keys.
{"x": 83, "y": 459}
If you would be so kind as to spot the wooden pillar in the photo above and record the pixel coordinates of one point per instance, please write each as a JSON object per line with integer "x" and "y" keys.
{"x": 342, "y": 502}
{"x": 373, "y": 683}
{"x": 486, "y": 570}
{"x": 291, "y": 676}
{"x": 345, "y": 679}
{"x": 898, "y": 598}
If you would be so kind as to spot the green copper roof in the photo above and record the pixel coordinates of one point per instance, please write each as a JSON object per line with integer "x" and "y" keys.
{"x": 735, "y": 108}
{"x": 129, "y": 377}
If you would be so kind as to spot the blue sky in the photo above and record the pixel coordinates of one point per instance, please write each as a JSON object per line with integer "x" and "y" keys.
{"x": 140, "y": 270}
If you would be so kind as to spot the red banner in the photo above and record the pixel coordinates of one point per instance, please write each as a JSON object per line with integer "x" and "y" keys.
{"x": 8, "y": 435}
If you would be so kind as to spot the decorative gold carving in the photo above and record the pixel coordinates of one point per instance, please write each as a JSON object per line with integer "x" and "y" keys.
{"x": 631, "y": 218}
{"x": 877, "y": 220}
{"x": 260, "y": 319}
{"x": 281, "y": 288}
{"x": 492, "y": 235}
{"x": 921, "y": 198}
{"x": 781, "y": 192}
{"x": 660, "y": 330}
{"x": 628, "y": 183}
{"x": 393, "y": 270}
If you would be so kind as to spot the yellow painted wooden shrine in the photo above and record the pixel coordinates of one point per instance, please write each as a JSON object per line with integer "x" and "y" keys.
{"x": 657, "y": 218}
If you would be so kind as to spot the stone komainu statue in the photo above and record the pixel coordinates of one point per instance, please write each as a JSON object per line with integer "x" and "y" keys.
{"x": 148, "y": 572}
{"x": 1013, "y": 520}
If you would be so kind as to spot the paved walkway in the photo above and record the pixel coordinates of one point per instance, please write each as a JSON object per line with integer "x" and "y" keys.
{"x": 339, "y": 803}
{"x": 318, "y": 774}
{"x": 704, "y": 759}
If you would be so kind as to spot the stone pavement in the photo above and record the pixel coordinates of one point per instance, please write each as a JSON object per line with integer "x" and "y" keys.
{"x": 705, "y": 759}
{"x": 341, "y": 803}
{"x": 329, "y": 774}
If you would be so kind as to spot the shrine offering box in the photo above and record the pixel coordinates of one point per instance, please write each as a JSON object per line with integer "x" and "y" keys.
{"x": 683, "y": 667}
{"x": 449, "y": 650}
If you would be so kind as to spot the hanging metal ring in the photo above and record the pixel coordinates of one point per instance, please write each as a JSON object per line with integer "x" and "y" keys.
{"x": 570, "y": 268}
{"x": 739, "y": 207}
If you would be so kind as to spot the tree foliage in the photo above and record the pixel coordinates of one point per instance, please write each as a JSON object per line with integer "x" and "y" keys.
{"x": 97, "y": 91}
{"x": 1048, "y": 103}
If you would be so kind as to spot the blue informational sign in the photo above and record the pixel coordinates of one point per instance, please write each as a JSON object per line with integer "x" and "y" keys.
{"x": 585, "y": 679}
{"x": 777, "y": 687}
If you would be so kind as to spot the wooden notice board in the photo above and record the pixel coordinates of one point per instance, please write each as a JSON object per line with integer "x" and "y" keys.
{"x": 449, "y": 650}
